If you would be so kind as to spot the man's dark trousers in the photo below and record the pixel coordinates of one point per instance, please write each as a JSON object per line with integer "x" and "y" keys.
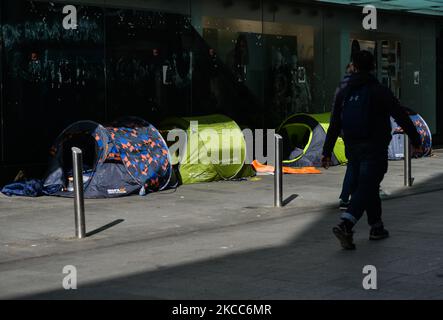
{"x": 347, "y": 186}
{"x": 368, "y": 165}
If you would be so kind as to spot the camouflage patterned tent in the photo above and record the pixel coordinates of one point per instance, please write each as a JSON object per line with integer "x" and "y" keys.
{"x": 130, "y": 156}
{"x": 396, "y": 147}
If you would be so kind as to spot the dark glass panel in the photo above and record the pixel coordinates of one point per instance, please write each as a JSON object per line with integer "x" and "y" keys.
{"x": 233, "y": 70}
{"x": 149, "y": 64}
{"x": 52, "y": 76}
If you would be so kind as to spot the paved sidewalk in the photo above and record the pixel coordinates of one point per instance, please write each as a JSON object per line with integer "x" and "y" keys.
{"x": 224, "y": 241}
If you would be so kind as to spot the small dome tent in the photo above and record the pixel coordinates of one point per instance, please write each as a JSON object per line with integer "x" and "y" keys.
{"x": 127, "y": 157}
{"x": 396, "y": 147}
{"x": 303, "y": 139}
{"x": 215, "y": 149}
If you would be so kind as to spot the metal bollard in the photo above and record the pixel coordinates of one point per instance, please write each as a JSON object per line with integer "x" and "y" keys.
{"x": 278, "y": 173}
{"x": 407, "y": 165}
{"x": 79, "y": 202}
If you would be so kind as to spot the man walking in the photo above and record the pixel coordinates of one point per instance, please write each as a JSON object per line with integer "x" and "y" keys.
{"x": 362, "y": 113}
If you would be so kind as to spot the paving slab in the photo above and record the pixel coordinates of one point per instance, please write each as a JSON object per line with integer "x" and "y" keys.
{"x": 224, "y": 240}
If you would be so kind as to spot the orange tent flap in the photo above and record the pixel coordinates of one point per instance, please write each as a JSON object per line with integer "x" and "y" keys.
{"x": 266, "y": 168}
{"x": 262, "y": 167}
{"x": 303, "y": 170}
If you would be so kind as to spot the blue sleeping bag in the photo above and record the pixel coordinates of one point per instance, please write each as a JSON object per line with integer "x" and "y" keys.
{"x": 29, "y": 188}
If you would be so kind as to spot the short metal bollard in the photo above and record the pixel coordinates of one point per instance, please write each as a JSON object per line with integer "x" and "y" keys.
{"x": 408, "y": 180}
{"x": 79, "y": 202}
{"x": 278, "y": 172}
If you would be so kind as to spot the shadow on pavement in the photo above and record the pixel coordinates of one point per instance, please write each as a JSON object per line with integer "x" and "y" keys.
{"x": 105, "y": 227}
{"x": 310, "y": 265}
{"x": 289, "y": 199}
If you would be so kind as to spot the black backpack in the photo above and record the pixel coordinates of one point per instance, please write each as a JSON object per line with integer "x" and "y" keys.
{"x": 356, "y": 113}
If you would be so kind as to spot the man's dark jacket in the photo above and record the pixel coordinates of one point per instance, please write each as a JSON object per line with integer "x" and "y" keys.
{"x": 383, "y": 105}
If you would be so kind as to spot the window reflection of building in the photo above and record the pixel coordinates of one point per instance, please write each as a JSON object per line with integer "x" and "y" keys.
{"x": 279, "y": 72}
{"x": 388, "y": 58}
{"x": 291, "y": 93}
{"x": 238, "y": 58}
{"x": 215, "y": 84}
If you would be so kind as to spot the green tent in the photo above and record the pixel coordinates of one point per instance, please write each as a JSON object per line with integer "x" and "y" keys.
{"x": 303, "y": 139}
{"x": 215, "y": 149}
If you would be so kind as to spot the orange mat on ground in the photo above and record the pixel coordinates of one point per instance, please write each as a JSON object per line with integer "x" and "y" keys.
{"x": 270, "y": 169}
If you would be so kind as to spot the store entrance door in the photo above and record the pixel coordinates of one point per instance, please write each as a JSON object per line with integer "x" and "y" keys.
{"x": 388, "y": 60}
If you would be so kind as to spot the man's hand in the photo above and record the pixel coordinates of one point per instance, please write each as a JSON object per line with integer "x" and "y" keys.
{"x": 326, "y": 162}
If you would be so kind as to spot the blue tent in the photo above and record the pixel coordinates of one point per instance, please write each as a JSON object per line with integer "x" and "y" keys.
{"x": 396, "y": 147}
{"x": 130, "y": 156}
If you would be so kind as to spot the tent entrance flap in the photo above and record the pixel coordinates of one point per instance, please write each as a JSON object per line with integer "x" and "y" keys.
{"x": 86, "y": 143}
{"x": 298, "y": 137}
{"x": 303, "y": 139}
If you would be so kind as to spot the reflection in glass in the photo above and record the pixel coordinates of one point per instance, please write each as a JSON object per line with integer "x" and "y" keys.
{"x": 275, "y": 66}
{"x": 52, "y": 76}
{"x": 149, "y": 64}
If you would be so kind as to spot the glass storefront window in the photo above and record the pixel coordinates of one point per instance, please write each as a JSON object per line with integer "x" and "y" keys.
{"x": 257, "y": 62}
{"x": 289, "y": 68}
{"x": 149, "y": 64}
{"x": 235, "y": 54}
{"x": 51, "y": 76}
{"x": 228, "y": 76}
